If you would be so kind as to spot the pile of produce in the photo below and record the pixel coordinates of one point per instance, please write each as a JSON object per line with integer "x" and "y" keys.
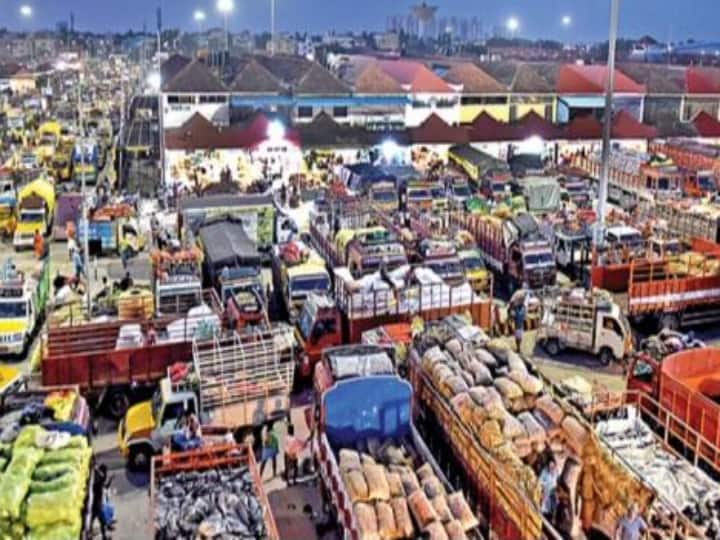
{"x": 216, "y": 503}
{"x": 394, "y": 501}
{"x": 43, "y": 485}
{"x": 694, "y": 264}
{"x": 505, "y": 406}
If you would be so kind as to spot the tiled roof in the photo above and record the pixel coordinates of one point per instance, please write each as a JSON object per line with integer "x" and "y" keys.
{"x": 706, "y": 125}
{"x": 702, "y": 80}
{"x": 319, "y": 81}
{"x": 286, "y": 68}
{"x": 485, "y": 128}
{"x": 373, "y": 80}
{"x": 414, "y": 76}
{"x": 172, "y": 66}
{"x": 575, "y": 79}
{"x": 256, "y": 79}
{"x": 473, "y": 79}
{"x": 195, "y": 77}
{"x": 434, "y": 130}
{"x": 625, "y": 126}
{"x": 583, "y": 128}
{"x": 532, "y": 124}
{"x": 657, "y": 78}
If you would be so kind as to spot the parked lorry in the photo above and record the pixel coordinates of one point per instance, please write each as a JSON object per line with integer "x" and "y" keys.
{"x": 8, "y": 201}
{"x": 586, "y": 321}
{"x": 262, "y": 222}
{"x": 62, "y": 163}
{"x": 235, "y": 383}
{"x": 491, "y": 175}
{"x": 35, "y": 211}
{"x": 689, "y": 219}
{"x": 231, "y": 470}
{"x": 23, "y": 298}
{"x": 360, "y": 399}
{"x": 176, "y": 280}
{"x": 542, "y": 194}
{"x": 701, "y": 159}
{"x": 85, "y": 162}
{"x": 48, "y": 138}
{"x": 513, "y": 248}
{"x": 384, "y": 195}
{"x": 115, "y": 363}
{"x": 68, "y": 210}
{"x": 298, "y": 271}
{"x": 112, "y": 229}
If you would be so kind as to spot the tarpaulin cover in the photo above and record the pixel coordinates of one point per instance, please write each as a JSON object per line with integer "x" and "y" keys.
{"x": 227, "y": 244}
{"x": 543, "y": 195}
{"x": 367, "y": 407}
{"x": 360, "y": 176}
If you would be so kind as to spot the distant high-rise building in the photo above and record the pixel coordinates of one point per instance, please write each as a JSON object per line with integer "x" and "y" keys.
{"x": 72, "y": 22}
{"x": 464, "y": 30}
{"x": 475, "y": 29}
{"x": 423, "y": 14}
{"x": 453, "y": 26}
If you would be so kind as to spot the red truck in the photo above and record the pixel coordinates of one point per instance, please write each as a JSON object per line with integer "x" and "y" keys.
{"x": 118, "y": 363}
{"x": 701, "y": 160}
{"x": 684, "y": 388}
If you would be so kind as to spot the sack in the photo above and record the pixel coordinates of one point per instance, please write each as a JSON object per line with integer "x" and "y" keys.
{"x": 490, "y": 434}
{"x": 355, "y": 485}
{"x": 455, "y": 385}
{"x": 461, "y": 511}
{"x": 480, "y": 372}
{"x": 54, "y": 532}
{"x": 516, "y": 363}
{"x": 421, "y": 509}
{"x": 13, "y": 489}
{"x": 512, "y": 428}
{"x": 441, "y": 508}
{"x": 486, "y": 358}
{"x": 403, "y": 522}
{"x": 24, "y": 460}
{"x": 508, "y": 389}
{"x": 455, "y": 531}
{"x": 29, "y": 435}
{"x": 553, "y": 430}
{"x": 386, "y": 521}
{"x": 378, "y": 489}
{"x": 367, "y": 521}
{"x": 550, "y": 408}
{"x": 409, "y": 481}
{"x": 432, "y": 487}
{"x": 436, "y": 531}
{"x": 493, "y": 404}
{"x": 62, "y": 506}
{"x": 528, "y": 383}
{"x": 425, "y": 472}
{"x": 576, "y": 436}
{"x": 536, "y": 433}
{"x": 395, "y": 484}
{"x": 349, "y": 460}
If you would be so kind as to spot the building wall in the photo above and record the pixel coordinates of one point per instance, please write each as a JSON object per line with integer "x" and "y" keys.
{"x": 22, "y": 85}
{"x": 421, "y": 106}
{"x": 468, "y": 113}
{"x": 175, "y": 114}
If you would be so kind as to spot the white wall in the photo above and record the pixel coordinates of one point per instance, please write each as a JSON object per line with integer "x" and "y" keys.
{"x": 416, "y": 115}
{"x": 176, "y": 114}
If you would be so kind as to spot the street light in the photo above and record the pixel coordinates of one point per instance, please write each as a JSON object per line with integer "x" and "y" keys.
{"x": 275, "y": 131}
{"x": 26, "y": 11}
{"x": 513, "y": 24}
{"x": 199, "y": 17}
{"x": 566, "y": 21}
{"x": 226, "y": 7}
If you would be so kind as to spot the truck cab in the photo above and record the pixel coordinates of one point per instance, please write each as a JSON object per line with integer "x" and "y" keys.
{"x": 22, "y": 304}
{"x": 177, "y": 280}
{"x": 440, "y": 201}
{"x": 624, "y": 238}
{"x": 85, "y": 159}
{"x": 384, "y": 195}
{"x": 243, "y": 296}
{"x": 699, "y": 183}
{"x": 475, "y": 271}
{"x": 367, "y": 250}
{"x": 418, "y": 196}
{"x": 8, "y": 200}
{"x": 298, "y": 272}
{"x": 318, "y": 327}
{"x": 441, "y": 257}
{"x": 532, "y": 263}
{"x": 458, "y": 193}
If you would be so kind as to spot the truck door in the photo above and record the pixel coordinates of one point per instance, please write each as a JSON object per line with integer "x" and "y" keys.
{"x": 643, "y": 375}
{"x": 610, "y": 335}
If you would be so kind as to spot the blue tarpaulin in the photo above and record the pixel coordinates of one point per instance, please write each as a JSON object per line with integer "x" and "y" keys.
{"x": 367, "y": 407}
{"x": 359, "y": 176}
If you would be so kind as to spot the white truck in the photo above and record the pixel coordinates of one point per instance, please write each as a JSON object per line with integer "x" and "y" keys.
{"x": 587, "y": 322}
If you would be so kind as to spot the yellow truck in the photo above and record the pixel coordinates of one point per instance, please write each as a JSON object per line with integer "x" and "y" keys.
{"x": 35, "y": 211}
{"x": 62, "y": 162}
{"x": 48, "y": 138}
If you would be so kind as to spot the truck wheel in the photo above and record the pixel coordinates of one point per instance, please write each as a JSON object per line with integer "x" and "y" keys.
{"x": 670, "y": 322}
{"x": 140, "y": 458}
{"x": 117, "y": 405}
{"x": 606, "y": 356}
{"x": 552, "y": 346}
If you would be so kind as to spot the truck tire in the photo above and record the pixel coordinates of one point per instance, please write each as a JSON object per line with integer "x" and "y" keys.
{"x": 117, "y": 404}
{"x": 606, "y": 356}
{"x": 669, "y": 321}
{"x": 552, "y": 346}
{"x": 140, "y": 457}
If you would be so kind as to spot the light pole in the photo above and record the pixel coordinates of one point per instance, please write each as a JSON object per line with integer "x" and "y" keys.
{"x": 272, "y": 27}
{"x": 566, "y": 21}
{"x": 86, "y": 225}
{"x": 607, "y": 126}
{"x": 512, "y": 25}
{"x": 226, "y": 7}
{"x": 199, "y": 18}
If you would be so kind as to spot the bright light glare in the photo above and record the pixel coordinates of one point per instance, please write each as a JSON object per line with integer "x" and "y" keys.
{"x": 199, "y": 15}
{"x": 389, "y": 149}
{"x": 154, "y": 81}
{"x": 26, "y": 10}
{"x": 534, "y": 145}
{"x": 276, "y": 131}
{"x": 225, "y": 6}
{"x": 513, "y": 24}
{"x": 566, "y": 20}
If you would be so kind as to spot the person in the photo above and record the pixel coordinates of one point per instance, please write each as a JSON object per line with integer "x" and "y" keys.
{"x": 270, "y": 450}
{"x": 518, "y": 311}
{"x": 38, "y": 244}
{"x": 293, "y": 446}
{"x": 101, "y": 482}
{"x": 71, "y": 246}
{"x": 78, "y": 265}
{"x": 632, "y": 526}
{"x": 126, "y": 282}
{"x": 151, "y": 337}
{"x": 548, "y": 484}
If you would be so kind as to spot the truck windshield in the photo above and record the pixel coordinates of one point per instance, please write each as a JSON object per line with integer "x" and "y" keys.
{"x": 305, "y": 323}
{"x": 13, "y": 309}
{"x": 539, "y": 259}
{"x": 706, "y": 183}
{"x": 384, "y": 196}
{"x": 473, "y": 263}
{"x": 31, "y": 216}
{"x": 438, "y": 193}
{"x": 498, "y": 187}
{"x": 446, "y": 268}
{"x": 461, "y": 191}
{"x": 419, "y": 194}
{"x": 663, "y": 183}
{"x": 301, "y": 286}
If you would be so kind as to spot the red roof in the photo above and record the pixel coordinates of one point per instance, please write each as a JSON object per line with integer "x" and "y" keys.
{"x": 531, "y": 125}
{"x": 574, "y": 79}
{"x": 198, "y": 133}
{"x": 625, "y": 126}
{"x": 434, "y": 130}
{"x": 415, "y": 75}
{"x": 583, "y": 128}
{"x": 706, "y": 125}
{"x": 485, "y": 129}
{"x": 702, "y": 80}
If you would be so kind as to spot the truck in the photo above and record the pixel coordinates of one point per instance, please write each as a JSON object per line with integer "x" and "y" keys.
{"x": 675, "y": 292}
{"x": 113, "y": 362}
{"x": 512, "y": 248}
{"x": 542, "y": 194}
{"x": 68, "y": 209}
{"x": 85, "y": 162}
{"x": 61, "y": 164}
{"x": 8, "y": 201}
{"x": 23, "y": 298}
{"x": 475, "y": 271}
{"x": 507, "y": 492}
{"x": 234, "y": 461}
{"x": 112, "y": 229}
{"x": 634, "y": 176}
{"x": 586, "y": 321}
{"x": 262, "y": 222}
{"x": 384, "y": 195}
{"x": 176, "y": 279}
{"x": 235, "y": 383}
{"x": 702, "y": 160}
{"x": 35, "y": 211}
{"x": 359, "y": 398}
{"x": 298, "y": 271}
{"x": 689, "y": 219}
{"x": 48, "y": 138}
{"x": 491, "y": 175}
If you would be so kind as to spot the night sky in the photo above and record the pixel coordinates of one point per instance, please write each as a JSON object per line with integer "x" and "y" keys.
{"x": 674, "y": 19}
